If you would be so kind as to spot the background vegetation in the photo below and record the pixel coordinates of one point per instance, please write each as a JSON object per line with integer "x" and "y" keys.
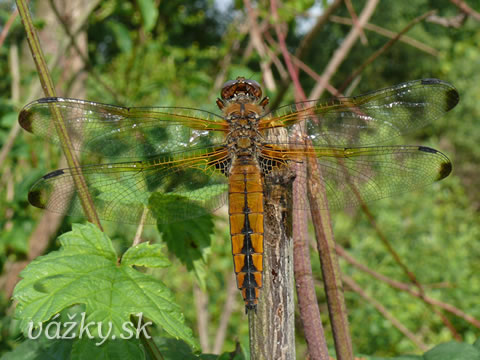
{"x": 174, "y": 53}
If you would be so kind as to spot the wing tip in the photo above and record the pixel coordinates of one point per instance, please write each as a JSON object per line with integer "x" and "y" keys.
{"x": 445, "y": 167}
{"x": 452, "y": 95}
{"x": 25, "y": 119}
{"x": 445, "y": 170}
{"x": 36, "y": 198}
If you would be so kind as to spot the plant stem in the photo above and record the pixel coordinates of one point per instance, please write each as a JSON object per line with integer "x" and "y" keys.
{"x": 49, "y": 90}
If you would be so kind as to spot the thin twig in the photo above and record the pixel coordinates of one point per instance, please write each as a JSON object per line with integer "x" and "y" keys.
{"x": 383, "y": 49}
{"x": 386, "y": 314}
{"x": 273, "y": 55}
{"x": 462, "y": 5}
{"x": 259, "y": 45}
{"x": 7, "y": 26}
{"x": 201, "y": 306}
{"x": 390, "y": 34}
{"x": 354, "y": 20}
{"x": 305, "y": 46}
{"x": 308, "y": 70}
{"x": 15, "y": 71}
{"x": 138, "y": 234}
{"x": 407, "y": 288}
{"x": 226, "y": 313}
{"x": 81, "y": 55}
{"x": 341, "y": 53}
{"x": 450, "y": 22}
{"x": 402, "y": 265}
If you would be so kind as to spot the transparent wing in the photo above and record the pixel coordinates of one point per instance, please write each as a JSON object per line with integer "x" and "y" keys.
{"x": 122, "y": 132}
{"x": 346, "y": 177}
{"x": 186, "y": 185}
{"x": 367, "y": 119}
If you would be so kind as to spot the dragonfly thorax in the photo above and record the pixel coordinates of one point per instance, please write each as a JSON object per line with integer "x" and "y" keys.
{"x": 243, "y": 137}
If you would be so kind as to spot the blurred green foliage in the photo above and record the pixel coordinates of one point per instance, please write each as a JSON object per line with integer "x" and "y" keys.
{"x": 169, "y": 53}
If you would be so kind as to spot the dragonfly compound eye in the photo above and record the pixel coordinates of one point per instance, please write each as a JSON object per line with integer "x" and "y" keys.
{"x": 239, "y": 87}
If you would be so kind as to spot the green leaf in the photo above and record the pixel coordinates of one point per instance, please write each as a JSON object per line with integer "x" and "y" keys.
{"x": 476, "y": 344}
{"x": 114, "y": 349}
{"x": 453, "y": 351}
{"x": 122, "y": 36}
{"x": 172, "y": 349}
{"x": 189, "y": 240}
{"x": 41, "y": 349}
{"x": 403, "y": 357}
{"x": 149, "y": 13}
{"x": 145, "y": 254}
{"x": 85, "y": 271}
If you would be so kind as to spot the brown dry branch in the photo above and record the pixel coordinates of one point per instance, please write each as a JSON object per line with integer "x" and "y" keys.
{"x": 321, "y": 218}
{"x": 272, "y": 327}
{"x": 308, "y": 305}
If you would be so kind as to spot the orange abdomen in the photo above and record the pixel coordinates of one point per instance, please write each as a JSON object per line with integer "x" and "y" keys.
{"x": 246, "y": 227}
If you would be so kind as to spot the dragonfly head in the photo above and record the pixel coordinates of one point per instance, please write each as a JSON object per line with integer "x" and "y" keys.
{"x": 240, "y": 90}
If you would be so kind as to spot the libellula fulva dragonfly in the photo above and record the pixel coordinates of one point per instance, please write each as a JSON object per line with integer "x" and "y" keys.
{"x": 195, "y": 161}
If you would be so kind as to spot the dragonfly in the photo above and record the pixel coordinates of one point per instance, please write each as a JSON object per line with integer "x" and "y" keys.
{"x": 176, "y": 163}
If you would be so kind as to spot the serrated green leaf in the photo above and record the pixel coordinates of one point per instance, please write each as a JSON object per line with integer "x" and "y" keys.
{"x": 453, "y": 351}
{"x": 113, "y": 349}
{"x": 85, "y": 271}
{"x": 145, "y": 254}
{"x": 149, "y": 13}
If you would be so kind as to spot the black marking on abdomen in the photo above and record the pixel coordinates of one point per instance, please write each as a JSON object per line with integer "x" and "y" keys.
{"x": 247, "y": 248}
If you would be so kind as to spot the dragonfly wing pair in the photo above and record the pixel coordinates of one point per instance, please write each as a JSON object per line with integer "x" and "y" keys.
{"x": 185, "y": 154}
{"x": 183, "y": 151}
